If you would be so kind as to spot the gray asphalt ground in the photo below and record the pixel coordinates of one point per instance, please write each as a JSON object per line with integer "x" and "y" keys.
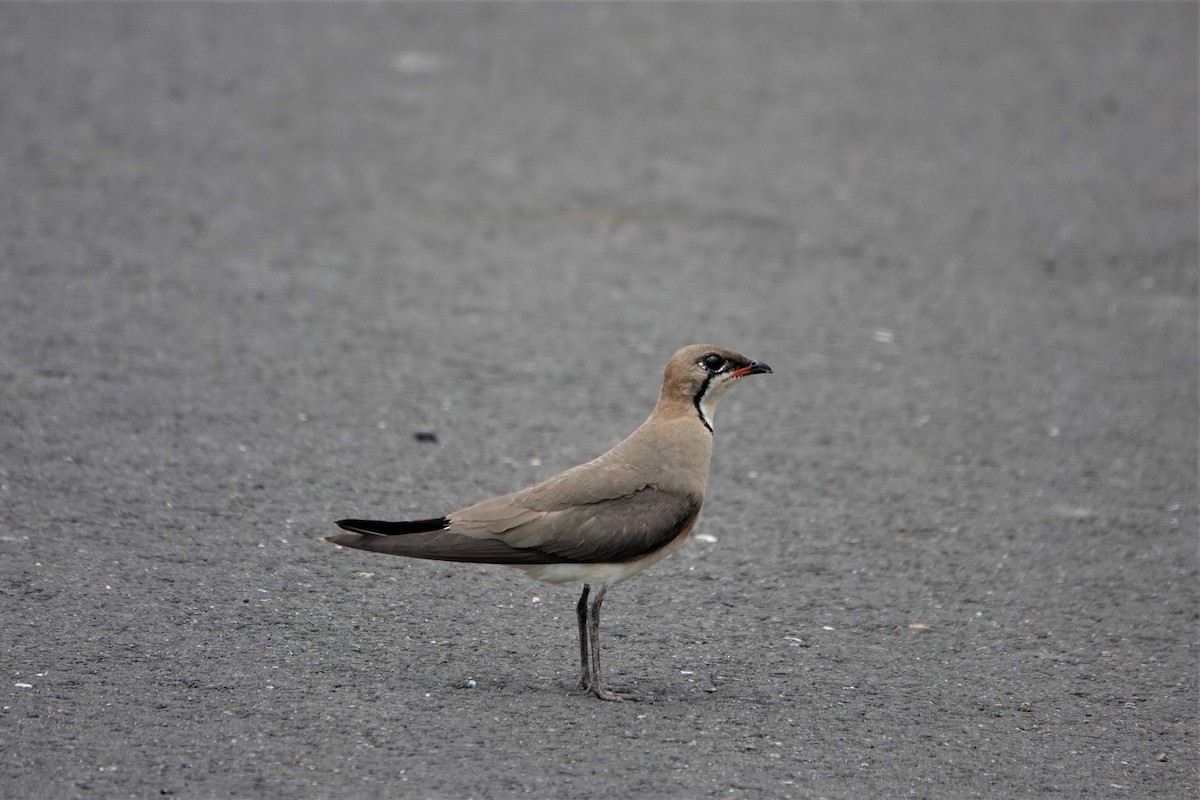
{"x": 950, "y": 547}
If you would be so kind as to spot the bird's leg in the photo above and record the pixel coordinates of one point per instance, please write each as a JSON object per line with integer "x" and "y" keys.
{"x": 593, "y": 634}
{"x": 581, "y": 611}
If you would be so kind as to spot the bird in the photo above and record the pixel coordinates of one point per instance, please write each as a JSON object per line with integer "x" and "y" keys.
{"x": 601, "y": 522}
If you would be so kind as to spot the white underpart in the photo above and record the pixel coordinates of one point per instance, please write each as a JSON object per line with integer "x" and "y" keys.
{"x": 598, "y": 572}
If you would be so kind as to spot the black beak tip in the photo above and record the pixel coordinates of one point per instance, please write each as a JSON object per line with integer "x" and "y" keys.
{"x": 759, "y": 368}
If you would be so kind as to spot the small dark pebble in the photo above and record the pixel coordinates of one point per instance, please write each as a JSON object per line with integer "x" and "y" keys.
{"x": 428, "y": 437}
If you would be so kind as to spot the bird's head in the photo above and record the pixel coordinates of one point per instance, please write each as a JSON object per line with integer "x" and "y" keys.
{"x": 697, "y": 376}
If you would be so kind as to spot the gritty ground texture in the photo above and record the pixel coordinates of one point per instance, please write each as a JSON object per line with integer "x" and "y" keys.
{"x": 250, "y": 251}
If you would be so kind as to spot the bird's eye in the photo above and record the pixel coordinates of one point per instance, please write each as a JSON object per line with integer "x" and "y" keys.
{"x": 712, "y": 362}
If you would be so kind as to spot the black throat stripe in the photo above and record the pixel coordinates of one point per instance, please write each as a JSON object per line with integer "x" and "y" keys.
{"x": 696, "y": 402}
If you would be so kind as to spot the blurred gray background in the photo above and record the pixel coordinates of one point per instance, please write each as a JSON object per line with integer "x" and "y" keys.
{"x": 249, "y": 250}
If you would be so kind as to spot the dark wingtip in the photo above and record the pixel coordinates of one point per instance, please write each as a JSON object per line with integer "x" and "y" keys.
{"x": 382, "y": 528}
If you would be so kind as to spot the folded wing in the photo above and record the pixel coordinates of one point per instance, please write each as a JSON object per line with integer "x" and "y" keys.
{"x": 513, "y": 529}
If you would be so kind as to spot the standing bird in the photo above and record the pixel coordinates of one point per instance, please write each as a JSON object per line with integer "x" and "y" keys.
{"x": 600, "y": 522}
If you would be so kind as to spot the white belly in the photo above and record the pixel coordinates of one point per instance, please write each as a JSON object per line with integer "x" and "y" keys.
{"x": 606, "y": 573}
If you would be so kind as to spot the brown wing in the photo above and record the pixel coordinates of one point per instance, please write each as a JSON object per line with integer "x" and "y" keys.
{"x": 439, "y": 544}
{"x": 614, "y": 529}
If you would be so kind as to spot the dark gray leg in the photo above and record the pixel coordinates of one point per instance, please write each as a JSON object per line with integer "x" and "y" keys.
{"x": 581, "y": 611}
{"x": 593, "y": 635}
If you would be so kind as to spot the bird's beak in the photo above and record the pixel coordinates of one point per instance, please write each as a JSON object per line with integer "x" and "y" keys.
{"x": 755, "y": 368}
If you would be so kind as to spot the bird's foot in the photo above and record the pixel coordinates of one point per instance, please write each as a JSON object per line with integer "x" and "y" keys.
{"x": 614, "y": 695}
